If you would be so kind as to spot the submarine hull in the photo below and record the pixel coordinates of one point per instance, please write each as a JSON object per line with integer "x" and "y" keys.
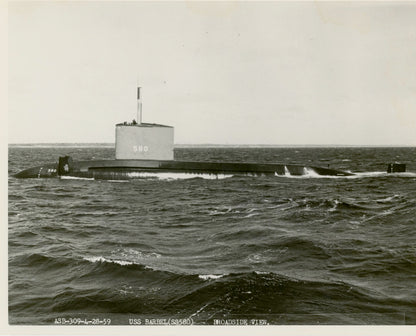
{"x": 129, "y": 169}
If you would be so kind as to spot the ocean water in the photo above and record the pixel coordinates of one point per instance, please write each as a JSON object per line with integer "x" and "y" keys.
{"x": 233, "y": 250}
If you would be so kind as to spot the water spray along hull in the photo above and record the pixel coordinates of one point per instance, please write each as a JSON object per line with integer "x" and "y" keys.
{"x": 129, "y": 169}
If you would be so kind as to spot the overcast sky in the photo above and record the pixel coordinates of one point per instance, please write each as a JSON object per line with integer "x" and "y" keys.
{"x": 220, "y": 73}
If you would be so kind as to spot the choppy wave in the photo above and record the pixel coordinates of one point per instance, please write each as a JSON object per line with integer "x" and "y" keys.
{"x": 125, "y": 256}
{"x": 102, "y": 259}
{"x": 286, "y": 250}
{"x": 209, "y": 298}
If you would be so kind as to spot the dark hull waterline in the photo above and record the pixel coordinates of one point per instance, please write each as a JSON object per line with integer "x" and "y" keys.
{"x": 129, "y": 169}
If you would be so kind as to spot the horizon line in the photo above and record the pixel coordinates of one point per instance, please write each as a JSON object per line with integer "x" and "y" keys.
{"x": 179, "y": 145}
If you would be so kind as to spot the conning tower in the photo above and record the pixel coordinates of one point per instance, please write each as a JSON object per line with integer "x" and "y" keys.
{"x": 143, "y": 141}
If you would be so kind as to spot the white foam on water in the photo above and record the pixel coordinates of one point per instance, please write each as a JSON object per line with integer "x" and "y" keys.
{"x": 336, "y": 202}
{"x": 387, "y": 212}
{"x": 149, "y": 268}
{"x": 380, "y": 174}
{"x": 307, "y": 173}
{"x": 311, "y": 173}
{"x": 210, "y": 276}
{"x": 255, "y": 258}
{"x": 387, "y": 199}
{"x": 102, "y": 260}
{"x": 177, "y": 176}
{"x": 134, "y": 255}
{"x": 251, "y": 215}
{"x": 287, "y": 172}
{"x": 199, "y": 310}
{"x": 370, "y": 174}
{"x": 76, "y": 178}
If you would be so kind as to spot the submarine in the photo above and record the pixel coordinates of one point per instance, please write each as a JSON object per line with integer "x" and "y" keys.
{"x": 143, "y": 149}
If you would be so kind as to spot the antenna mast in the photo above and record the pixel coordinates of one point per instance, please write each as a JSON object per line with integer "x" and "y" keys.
{"x": 139, "y": 106}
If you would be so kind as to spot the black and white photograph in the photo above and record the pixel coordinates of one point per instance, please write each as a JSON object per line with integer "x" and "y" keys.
{"x": 240, "y": 165}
